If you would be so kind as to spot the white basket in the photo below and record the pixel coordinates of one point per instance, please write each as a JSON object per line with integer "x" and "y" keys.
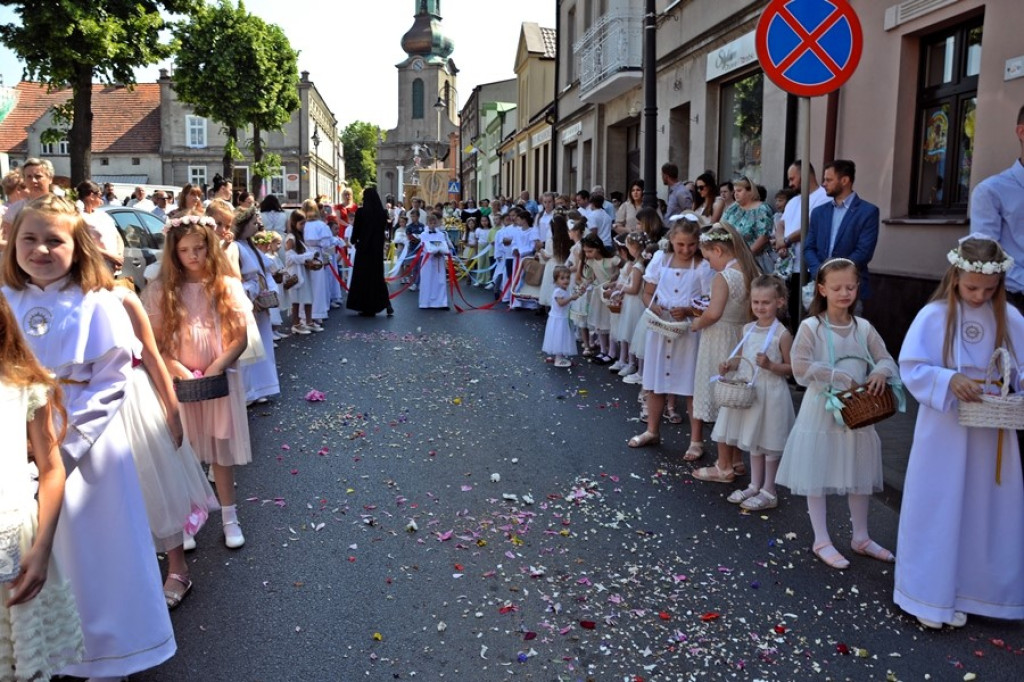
{"x": 735, "y": 393}
{"x": 1003, "y": 411}
{"x": 670, "y": 329}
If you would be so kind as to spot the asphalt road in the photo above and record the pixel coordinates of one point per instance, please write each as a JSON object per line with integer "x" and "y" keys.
{"x": 456, "y": 509}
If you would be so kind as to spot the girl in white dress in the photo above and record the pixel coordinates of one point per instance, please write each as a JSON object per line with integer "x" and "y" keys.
{"x": 578, "y": 309}
{"x": 555, "y": 252}
{"x": 318, "y": 238}
{"x": 762, "y": 428}
{"x": 300, "y": 296}
{"x": 600, "y": 265}
{"x": 962, "y": 517}
{"x": 260, "y": 376}
{"x": 58, "y": 289}
{"x": 480, "y": 273}
{"x": 722, "y": 324}
{"x": 638, "y": 342}
{"x": 40, "y": 631}
{"x": 433, "y": 283}
{"x": 177, "y": 495}
{"x": 200, "y": 315}
{"x": 832, "y": 351}
{"x": 558, "y": 339}
{"x": 671, "y": 282}
{"x": 612, "y": 294}
{"x": 632, "y": 306}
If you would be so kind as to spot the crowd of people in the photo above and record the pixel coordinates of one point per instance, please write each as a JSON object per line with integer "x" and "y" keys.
{"x": 114, "y": 402}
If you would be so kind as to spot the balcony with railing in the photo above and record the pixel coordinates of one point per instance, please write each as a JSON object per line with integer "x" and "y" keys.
{"x": 610, "y": 56}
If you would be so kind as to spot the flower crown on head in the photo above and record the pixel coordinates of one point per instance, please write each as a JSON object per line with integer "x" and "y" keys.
{"x": 985, "y": 268}
{"x": 189, "y": 220}
{"x": 708, "y": 237}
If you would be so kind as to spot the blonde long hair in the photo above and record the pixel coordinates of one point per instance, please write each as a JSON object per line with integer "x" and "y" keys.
{"x": 974, "y": 251}
{"x": 215, "y": 283}
{"x": 88, "y": 271}
{"x": 734, "y": 246}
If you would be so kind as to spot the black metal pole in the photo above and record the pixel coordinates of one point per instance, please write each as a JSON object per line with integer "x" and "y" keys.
{"x": 650, "y": 107}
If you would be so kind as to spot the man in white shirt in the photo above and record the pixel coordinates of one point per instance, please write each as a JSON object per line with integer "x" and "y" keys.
{"x": 997, "y": 211}
{"x": 598, "y": 219}
{"x": 160, "y": 204}
{"x": 787, "y": 231}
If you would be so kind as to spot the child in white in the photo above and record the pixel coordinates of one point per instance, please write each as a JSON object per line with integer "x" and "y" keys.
{"x": 40, "y": 631}
{"x": 722, "y": 327}
{"x": 762, "y": 428}
{"x": 558, "y": 337}
{"x": 834, "y": 350}
{"x": 671, "y": 283}
{"x": 962, "y": 517}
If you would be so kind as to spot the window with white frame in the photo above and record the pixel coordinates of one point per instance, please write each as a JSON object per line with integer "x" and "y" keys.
{"x": 197, "y": 176}
{"x": 55, "y": 148}
{"x": 276, "y": 184}
{"x": 195, "y": 132}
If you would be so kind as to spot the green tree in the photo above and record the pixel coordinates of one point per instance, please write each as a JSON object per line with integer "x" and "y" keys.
{"x": 70, "y": 43}
{"x": 360, "y": 141}
{"x": 234, "y": 68}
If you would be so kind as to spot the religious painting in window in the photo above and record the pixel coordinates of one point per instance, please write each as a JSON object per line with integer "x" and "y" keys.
{"x": 946, "y": 106}
{"x": 741, "y": 114}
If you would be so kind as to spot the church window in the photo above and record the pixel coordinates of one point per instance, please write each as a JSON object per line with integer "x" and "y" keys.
{"x": 417, "y": 98}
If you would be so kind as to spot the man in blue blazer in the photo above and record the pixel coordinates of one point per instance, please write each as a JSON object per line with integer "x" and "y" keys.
{"x": 846, "y": 227}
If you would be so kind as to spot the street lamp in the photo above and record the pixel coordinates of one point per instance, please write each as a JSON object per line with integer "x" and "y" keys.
{"x": 443, "y": 103}
{"x": 316, "y": 161}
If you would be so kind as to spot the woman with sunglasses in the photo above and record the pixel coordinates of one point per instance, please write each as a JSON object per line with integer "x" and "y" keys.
{"x": 709, "y": 204}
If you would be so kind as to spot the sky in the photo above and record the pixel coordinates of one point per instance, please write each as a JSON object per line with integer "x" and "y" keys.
{"x": 351, "y": 54}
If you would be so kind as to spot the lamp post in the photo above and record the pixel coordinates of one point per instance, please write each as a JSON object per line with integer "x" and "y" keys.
{"x": 442, "y": 104}
{"x": 316, "y": 161}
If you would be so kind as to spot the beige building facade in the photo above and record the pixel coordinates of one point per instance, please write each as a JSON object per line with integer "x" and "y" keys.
{"x": 928, "y": 114}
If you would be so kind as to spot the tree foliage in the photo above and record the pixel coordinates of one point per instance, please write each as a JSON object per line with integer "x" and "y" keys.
{"x": 234, "y": 68}
{"x": 360, "y": 140}
{"x": 69, "y": 43}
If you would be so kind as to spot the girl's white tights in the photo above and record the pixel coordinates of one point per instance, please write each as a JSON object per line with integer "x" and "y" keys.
{"x": 762, "y": 471}
{"x": 858, "y": 517}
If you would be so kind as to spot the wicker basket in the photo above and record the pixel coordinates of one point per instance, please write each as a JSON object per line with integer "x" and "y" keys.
{"x": 278, "y": 276}
{"x": 614, "y": 305}
{"x": 1003, "y": 411}
{"x": 314, "y": 264}
{"x": 861, "y": 409}
{"x": 204, "y": 388}
{"x": 670, "y": 329}
{"x": 266, "y": 299}
{"x": 732, "y": 392}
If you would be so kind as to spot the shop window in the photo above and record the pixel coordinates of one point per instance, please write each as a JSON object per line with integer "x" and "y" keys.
{"x": 741, "y": 113}
{"x": 947, "y": 99}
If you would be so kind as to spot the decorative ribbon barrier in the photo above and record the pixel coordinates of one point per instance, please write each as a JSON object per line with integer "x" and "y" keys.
{"x": 414, "y": 269}
{"x": 453, "y": 287}
{"x": 341, "y": 280}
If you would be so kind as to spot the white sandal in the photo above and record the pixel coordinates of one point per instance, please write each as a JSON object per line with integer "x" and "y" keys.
{"x": 742, "y": 495}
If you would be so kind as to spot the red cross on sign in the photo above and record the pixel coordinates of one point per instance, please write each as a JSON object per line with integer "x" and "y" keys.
{"x": 809, "y": 47}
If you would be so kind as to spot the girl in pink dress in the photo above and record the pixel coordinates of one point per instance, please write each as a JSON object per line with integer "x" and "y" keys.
{"x": 200, "y": 313}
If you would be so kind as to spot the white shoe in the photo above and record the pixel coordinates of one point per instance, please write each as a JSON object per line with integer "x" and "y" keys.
{"x": 414, "y": 287}
{"x": 615, "y": 366}
{"x": 276, "y": 344}
{"x": 301, "y": 329}
{"x": 634, "y": 378}
{"x": 233, "y": 538}
{"x": 959, "y": 619}
{"x": 930, "y": 624}
{"x": 490, "y": 286}
{"x": 316, "y": 327}
{"x": 189, "y": 543}
{"x": 627, "y": 370}
{"x": 335, "y": 305}
{"x": 277, "y": 336}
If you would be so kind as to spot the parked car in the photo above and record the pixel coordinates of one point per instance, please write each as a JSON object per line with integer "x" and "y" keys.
{"x": 143, "y": 240}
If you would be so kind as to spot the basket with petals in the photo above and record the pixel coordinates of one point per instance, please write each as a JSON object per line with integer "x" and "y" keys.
{"x": 731, "y": 391}
{"x": 861, "y": 408}
{"x": 999, "y": 411}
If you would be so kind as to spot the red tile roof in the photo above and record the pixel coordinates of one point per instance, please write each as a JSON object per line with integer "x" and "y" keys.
{"x": 124, "y": 121}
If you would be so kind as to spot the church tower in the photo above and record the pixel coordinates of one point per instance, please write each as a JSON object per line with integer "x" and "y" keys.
{"x": 427, "y": 104}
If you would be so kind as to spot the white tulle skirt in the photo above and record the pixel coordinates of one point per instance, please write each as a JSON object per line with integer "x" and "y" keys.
{"x": 177, "y": 495}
